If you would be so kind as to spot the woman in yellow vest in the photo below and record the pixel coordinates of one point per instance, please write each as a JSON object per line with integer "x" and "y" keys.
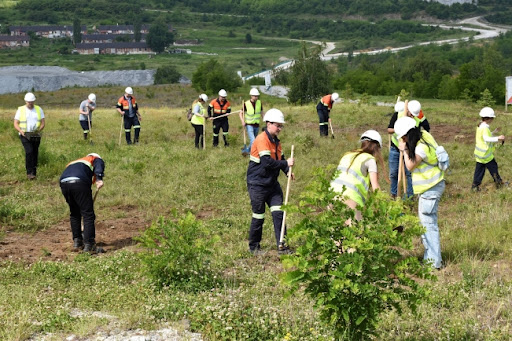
{"x": 419, "y": 149}
{"x": 29, "y": 122}
{"x": 484, "y": 150}
{"x": 199, "y": 114}
{"x": 358, "y": 169}
{"x": 250, "y": 116}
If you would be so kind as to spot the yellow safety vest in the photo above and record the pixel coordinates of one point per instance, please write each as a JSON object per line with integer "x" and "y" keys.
{"x": 427, "y": 174}
{"x": 23, "y": 117}
{"x": 252, "y": 116}
{"x": 356, "y": 184}
{"x": 196, "y": 119}
{"x": 484, "y": 151}
{"x": 400, "y": 115}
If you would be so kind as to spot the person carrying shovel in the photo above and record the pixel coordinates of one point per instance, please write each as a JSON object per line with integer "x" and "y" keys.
{"x": 86, "y": 108}
{"x": 75, "y": 184}
{"x": 323, "y": 109}
{"x": 266, "y": 162}
{"x": 198, "y": 120}
{"x": 129, "y": 110}
{"x": 218, "y": 111}
{"x": 250, "y": 117}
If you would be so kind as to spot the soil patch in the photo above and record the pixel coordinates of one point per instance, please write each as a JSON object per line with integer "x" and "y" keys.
{"x": 55, "y": 243}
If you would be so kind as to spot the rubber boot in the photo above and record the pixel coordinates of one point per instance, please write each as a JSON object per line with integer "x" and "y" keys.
{"x": 85, "y": 136}
{"x": 226, "y": 143}
{"x": 128, "y": 137}
{"x": 215, "y": 141}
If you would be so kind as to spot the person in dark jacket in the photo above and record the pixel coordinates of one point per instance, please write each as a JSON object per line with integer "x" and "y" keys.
{"x": 75, "y": 184}
{"x": 266, "y": 162}
{"x": 128, "y": 108}
{"x": 323, "y": 108}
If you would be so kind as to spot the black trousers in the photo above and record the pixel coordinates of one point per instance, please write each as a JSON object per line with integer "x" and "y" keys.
{"x": 79, "y": 198}
{"x": 492, "y": 167}
{"x": 271, "y": 196}
{"x": 220, "y": 123}
{"x": 323, "y": 117}
{"x": 85, "y": 126}
{"x": 130, "y": 122}
{"x": 31, "y": 146}
{"x": 199, "y": 139}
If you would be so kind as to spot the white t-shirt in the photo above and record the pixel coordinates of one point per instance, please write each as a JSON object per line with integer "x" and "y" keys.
{"x": 31, "y": 118}
{"x": 370, "y": 166}
{"x": 488, "y": 139}
{"x": 83, "y": 107}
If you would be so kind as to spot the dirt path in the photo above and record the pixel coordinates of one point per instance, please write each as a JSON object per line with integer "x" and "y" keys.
{"x": 55, "y": 243}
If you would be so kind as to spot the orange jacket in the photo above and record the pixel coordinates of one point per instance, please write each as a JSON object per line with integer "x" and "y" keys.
{"x": 216, "y": 108}
{"x": 123, "y": 104}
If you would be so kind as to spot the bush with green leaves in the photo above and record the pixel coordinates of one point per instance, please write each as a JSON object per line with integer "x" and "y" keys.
{"x": 178, "y": 253}
{"x": 211, "y": 76}
{"x": 167, "y": 74}
{"x": 356, "y": 271}
{"x": 486, "y": 99}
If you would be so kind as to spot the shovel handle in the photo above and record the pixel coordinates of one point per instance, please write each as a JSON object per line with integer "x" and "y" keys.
{"x": 283, "y": 225}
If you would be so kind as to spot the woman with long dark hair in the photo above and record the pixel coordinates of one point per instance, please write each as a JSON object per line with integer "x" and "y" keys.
{"x": 419, "y": 149}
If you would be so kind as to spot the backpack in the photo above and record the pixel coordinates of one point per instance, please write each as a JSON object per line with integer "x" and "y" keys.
{"x": 189, "y": 114}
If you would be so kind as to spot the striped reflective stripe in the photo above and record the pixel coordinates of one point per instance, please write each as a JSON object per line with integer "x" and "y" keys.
{"x": 275, "y": 208}
{"x": 348, "y": 185}
{"x": 127, "y": 130}
{"x": 225, "y": 133}
{"x": 85, "y": 162}
{"x": 324, "y": 123}
{"x": 483, "y": 157}
{"x": 354, "y": 173}
{"x": 264, "y": 152}
{"x": 136, "y": 127}
{"x": 425, "y": 168}
{"x": 215, "y": 134}
{"x": 481, "y": 150}
{"x": 86, "y": 131}
{"x": 258, "y": 215}
{"x": 254, "y": 159}
{"x": 427, "y": 181}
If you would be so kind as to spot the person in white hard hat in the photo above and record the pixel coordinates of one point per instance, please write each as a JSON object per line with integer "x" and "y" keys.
{"x": 218, "y": 107}
{"x": 29, "y": 122}
{"x": 323, "y": 109}
{"x": 266, "y": 162}
{"x": 357, "y": 170}
{"x": 85, "y": 118}
{"x": 250, "y": 116}
{"x": 414, "y": 111}
{"x": 484, "y": 150}
{"x": 128, "y": 108}
{"x": 198, "y": 117}
{"x": 419, "y": 149}
{"x": 75, "y": 184}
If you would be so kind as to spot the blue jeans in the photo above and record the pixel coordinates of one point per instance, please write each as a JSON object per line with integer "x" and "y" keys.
{"x": 394, "y": 155}
{"x": 252, "y": 132}
{"x": 427, "y": 212}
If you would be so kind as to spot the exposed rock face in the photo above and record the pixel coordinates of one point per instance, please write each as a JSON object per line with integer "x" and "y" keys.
{"x": 15, "y": 79}
{"x": 451, "y": 2}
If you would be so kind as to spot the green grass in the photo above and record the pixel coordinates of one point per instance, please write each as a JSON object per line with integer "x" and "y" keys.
{"x": 471, "y": 299}
{"x": 8, "y": 3}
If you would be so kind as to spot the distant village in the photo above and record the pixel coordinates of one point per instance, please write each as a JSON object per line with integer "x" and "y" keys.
{"x": 105, "y": 39}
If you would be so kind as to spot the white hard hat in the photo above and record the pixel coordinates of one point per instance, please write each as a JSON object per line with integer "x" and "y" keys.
{"x": 274, "y": 115}
{"x": 487, "y": 112}
{"x": 203, "y": 97}
{"x": 29, "y": 97}
{"x": 254, "y": 92}
{"x": 403, "y": 125}
{"x": 223, "y": 93}
{"x": 92, "y": 98}
{"x": 129, "y": 90}
{"x": 399, "y": 106}
{"x": 335, "y": 96}
{"x": 372, "y": 135}
{"x": 94, "y": 154}
{"x": 414, "y": 107}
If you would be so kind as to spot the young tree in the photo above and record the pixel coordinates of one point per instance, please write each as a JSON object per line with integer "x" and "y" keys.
{"x": 211, "y": 76}
{"x": 77, "y": 31}
{"x": 309, "y": 77}
{"x": 136, "y": 30}
{"x": 159, "y": 36}
{"x": 248, "y": 38}
{"x": 167, "y": 74}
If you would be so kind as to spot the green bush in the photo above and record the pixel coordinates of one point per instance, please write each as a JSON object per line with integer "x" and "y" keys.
{"x": 354, "y": 272}
{"x": 178, "y": 253}
{"x": 211, "y": 76}
{"x": 167, "y": 75}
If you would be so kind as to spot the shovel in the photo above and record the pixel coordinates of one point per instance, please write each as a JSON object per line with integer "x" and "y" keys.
{"x": 283, "y": 226}
{"x": 90, "y": 129}
{"x": 245, "y": 149}
{"x": 332, "y": 131}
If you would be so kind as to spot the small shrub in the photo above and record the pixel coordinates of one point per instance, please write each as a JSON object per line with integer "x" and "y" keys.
{"x": 178, "y": 253}
{"x": 486, "y": 99}
{"x": 166, "y": 75}
{"x": 354, "y": 272}
{"x": 404, "y": 95}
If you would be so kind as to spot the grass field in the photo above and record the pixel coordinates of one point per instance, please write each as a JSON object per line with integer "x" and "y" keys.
{"x": 471, "y": 300}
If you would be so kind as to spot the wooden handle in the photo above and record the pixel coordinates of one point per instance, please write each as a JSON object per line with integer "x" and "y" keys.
{"x": 283, "y": 225}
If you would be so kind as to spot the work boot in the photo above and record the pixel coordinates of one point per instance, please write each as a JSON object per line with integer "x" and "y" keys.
{"x": 31, "y": 176}
{"x": 78, "y": 243}
{"x": 90, "y": 247}
{"x": 475, "y": 188}
{"x": 85, "y": 136}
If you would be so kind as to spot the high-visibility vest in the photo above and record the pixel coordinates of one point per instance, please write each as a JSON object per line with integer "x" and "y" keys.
{"x": 220, "y": 108}
{"x": 401, "y": 114}
{"x": 484, "y": 151}
{"x": 196, "y": 119}
{"x": 88, "y": 161}
{"x": 23, "y": 117}
{"x": 252, "y": 115}
{"x": 327, "y": 101}
{"x": 427, "y": 174}
{"x": 356, "y": 184}
{"x": 123, "y": 102}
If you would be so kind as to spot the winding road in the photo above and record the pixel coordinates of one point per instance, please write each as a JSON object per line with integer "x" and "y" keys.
{"x": 485, "y": 31}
